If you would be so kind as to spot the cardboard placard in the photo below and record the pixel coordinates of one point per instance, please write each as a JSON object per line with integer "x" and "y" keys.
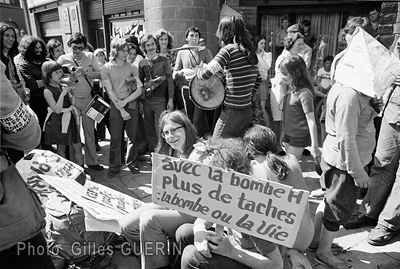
{"x": 257, "y": 207}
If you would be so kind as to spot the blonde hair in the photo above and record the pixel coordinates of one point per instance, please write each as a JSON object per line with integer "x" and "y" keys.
{"x": 117, "y": 45}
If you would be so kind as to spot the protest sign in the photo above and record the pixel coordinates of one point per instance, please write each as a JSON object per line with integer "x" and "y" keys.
{"x": 261, "y": 208}
{"x": 110, "y": 198}
{"x": 367, "y": 66}
{"x": 44, "y": 162}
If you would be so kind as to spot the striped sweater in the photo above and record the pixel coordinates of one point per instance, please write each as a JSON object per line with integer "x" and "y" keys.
{"x": 241, "y": 77}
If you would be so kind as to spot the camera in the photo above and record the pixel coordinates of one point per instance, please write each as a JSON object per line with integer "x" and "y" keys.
{"x": 68, "y": 69}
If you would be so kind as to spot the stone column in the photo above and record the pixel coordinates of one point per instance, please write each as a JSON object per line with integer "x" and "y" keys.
{"x": 176, "y": 16}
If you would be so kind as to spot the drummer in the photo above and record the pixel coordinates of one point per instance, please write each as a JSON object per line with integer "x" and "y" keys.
{"x": 186, "y": 61}
{"x": 238, "y": 60}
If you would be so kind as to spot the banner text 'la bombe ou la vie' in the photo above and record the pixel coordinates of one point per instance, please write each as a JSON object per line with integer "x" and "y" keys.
{"x": 258, "y": 207}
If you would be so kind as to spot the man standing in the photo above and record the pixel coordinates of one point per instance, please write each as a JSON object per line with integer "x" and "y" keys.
{"x": 372, "y": 26}
{"x": 85, "y": 68}
{"x": 29, "y": 63}
{"x": 156, "y": 75}
{"x": 186, "y": 62}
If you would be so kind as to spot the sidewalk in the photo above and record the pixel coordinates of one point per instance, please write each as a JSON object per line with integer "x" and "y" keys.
{"x": 358, "y": 251}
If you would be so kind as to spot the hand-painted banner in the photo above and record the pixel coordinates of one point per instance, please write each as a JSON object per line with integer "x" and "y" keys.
{"x": 261, "y": 208}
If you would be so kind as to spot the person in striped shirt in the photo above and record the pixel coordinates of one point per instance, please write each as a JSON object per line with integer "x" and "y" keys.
{"x": 238, "y": 61}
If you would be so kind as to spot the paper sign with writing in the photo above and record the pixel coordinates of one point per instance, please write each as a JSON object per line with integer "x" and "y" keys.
{"x": 367, "y": 65}
{"x": 110, "y": 198}
{"x": 261, "y": 208}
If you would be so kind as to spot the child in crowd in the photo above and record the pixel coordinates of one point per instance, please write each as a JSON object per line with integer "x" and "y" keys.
{"x": 61, "y": 126}
{"x": 299, "y": 126}
{"x": 324, "y": 78}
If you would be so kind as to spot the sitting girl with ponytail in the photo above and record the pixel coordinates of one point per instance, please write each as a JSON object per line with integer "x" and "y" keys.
{"x": 261, "y": 146}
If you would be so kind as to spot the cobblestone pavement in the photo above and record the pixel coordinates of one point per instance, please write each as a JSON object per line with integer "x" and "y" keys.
{"x": 358, "y": 251}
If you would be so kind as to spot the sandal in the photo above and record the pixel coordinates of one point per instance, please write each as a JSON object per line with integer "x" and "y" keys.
{"x": 334, "y": 265}
{"x": 336, "y": 249}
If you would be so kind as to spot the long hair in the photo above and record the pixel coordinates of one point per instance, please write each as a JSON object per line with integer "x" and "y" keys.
{"x": 180, "y": 118}
{"x": 231, "y": 30}
{"x": 48, "y": 68}
{"x": 257, "y": 40}
{"x": 162, "y": 32}
{"x": 51, "y": 45}
{"x": 27, "y": 48}
{"x": 145, "y": 39}
{"x": 117, "y": 44}
{"x": 261, "y": 140}
{"x": 228, "y": 153}
{"x": 14, "y": 49}
{"x": 296, "y": 67}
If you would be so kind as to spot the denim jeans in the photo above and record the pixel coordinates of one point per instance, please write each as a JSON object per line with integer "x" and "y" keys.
{"x": 152, "y": 109}
{"x": 152, "y": 225}
{"x": 382, "y": 200}
{"x": 88, "y": 130}
{"x": 233, "y": 122}
{"x": 191, "y": 258}
{"x": 117, "y": 125}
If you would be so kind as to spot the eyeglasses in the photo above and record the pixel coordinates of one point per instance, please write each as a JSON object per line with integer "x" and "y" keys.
{"x": 77, "y": 48}
{"x": 171, "y": 132}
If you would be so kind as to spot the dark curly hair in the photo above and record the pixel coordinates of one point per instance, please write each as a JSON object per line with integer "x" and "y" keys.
{"x": 27, "y": 48}
{"x": 229, "y": 153}
{"x": 14, "y": 49}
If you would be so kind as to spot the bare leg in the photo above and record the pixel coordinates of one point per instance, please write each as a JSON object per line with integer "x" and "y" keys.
{"x": 324, "y": 253}
{"x": 296, "y": 151}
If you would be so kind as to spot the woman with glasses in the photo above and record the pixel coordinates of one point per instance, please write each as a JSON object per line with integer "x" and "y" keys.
{"x": 152, "y": 223}
{"x": 83, "y": 68}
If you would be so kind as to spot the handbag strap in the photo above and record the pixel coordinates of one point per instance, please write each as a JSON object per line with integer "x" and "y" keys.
{"x": 85, "y": 76}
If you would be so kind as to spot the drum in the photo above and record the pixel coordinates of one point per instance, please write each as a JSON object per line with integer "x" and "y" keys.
{"x": 207, "y": 94}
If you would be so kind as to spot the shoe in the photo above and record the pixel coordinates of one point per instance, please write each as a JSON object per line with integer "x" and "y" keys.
{"x": 98, "y": 147}
{"x": 96, "y": 167}
{"x": 380, "y": 235}
{"x": 133, "y": 169}
{"x": 318, "y": 194}
{"x": 112, "y": 173}
{"x": 359, "y": 221}
{"x": 119, "y": 242}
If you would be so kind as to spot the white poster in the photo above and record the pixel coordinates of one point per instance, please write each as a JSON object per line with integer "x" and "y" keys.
{"x": 73, "y": 13}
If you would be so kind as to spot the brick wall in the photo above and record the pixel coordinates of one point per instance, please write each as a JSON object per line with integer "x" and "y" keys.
{"x": 389, "y": 23}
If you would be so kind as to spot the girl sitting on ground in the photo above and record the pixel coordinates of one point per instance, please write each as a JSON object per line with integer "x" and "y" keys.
{"x": 154, "y": 223}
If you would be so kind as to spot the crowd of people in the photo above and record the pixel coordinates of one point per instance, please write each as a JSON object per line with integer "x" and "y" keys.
{"x": 147, "y": 85}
